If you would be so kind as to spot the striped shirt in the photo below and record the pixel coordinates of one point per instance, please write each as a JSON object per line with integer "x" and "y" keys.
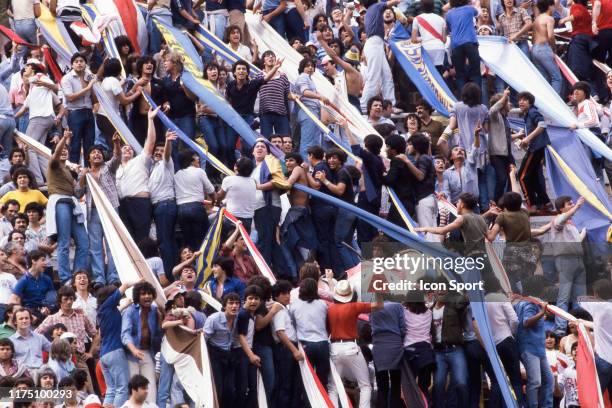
{"x": 273, "y": 96}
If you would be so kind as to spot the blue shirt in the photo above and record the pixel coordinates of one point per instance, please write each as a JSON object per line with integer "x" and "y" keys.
{"x": 530, "y": 339}
{"x": 533, "y": 120}
{"x": 390, "y": 319}
{"x": 236, "y": 5}
{"x": 217, "y": 333}
{"x": 34, "y": 291}
{"x": 109, "y": 319}
{"x": 28, "y": 350}
{"x": 176, "y": 6}
{"x": 230, "y": 285}
{"x": 460, "y": 22}
{"x": 270, "y": 5}
{"x": 305, "y": 83}
{"x": 374, "y": 23}
{"x": 131, "y": 329}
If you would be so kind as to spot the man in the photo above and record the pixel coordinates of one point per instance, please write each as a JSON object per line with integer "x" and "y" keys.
{"x": 378, "y": 74}
{"x": 399, "y": 178}
{"x": 10, "y": 210}
{"x": 544, "y": 46}
{"x": 287, "y": 144}
{"x": 77, "y": 85}
{"x": 531, "y": 176}
{"x": 273, "y": 99}
{"x": 23, "y": 16}
{"x": 161, "y": 186}
{"x": 602, "y": 28}
{"x": 64, "y": 215}
{"x": 375, "y": 112}
{"x": 500, "y": 141}
{"x": 35, "y": 289}
{"x": 104, "y": 174}
{"x": 135, "y": 207}
{"x": 514, "y": 24}
{"x": 138, "y": 388}
{"x": 29, "y": 345}
{"x": 460, "y": 177}
{"x": 141, "y": 334}
{"x": 429, "y": 125}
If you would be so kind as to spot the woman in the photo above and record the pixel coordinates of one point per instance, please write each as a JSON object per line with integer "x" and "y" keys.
{"x": 240, "y": 192}
{"x": 412, "y": 124}
{"x": 111, "y": 85}
{"x": 60, "y": 358}
{"x": 310, "y": 133}
{"x": 236, "y": 249}
{"x": 579, "y": 57}
{"x": 212, "y": 127}
{"x": 233, "y": 38}
{"x": 310, "y": 316}
{"x": 84, "y": 299}
{"x": 9, "y": 367}
{"x": 270, "y": 183}
{"x": 26, "y": 190}
{"x": 417, "y": 344}
{"x": 125, "y": 48}
{"x": 223, "y": 280}
{"x": 464, "y": 45}
{"x": 192, "y": 187}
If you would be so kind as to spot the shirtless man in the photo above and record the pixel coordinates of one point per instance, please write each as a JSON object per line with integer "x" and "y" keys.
{"x": 352, "y": 79}
{"x": 543, "y": 50}
{"x": 294, "y": 161}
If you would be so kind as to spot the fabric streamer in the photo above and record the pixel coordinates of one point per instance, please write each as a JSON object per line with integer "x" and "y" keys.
{"x": 13, "y": 36}
{"x": 566, "y": 71}
{"x": 412, "y": 394}
{"x": 316, "y": 393}
{"x": 262, "y": 401}
{"x": 345, "y": 402}
{"x": 208, "y": 250}
{"x": 522, "y": 75}
{"x": 422, "y": 72}
{"x": 410, "y": 223}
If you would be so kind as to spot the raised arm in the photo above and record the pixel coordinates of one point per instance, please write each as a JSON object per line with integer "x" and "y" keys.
{"x": 150, "y": 141}
{"x": 63, "y": 142}
{"x": 170, "y": 136}
{"x": 275, "y": 68}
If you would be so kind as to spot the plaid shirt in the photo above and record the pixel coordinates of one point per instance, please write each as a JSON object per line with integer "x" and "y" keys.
{"x": 106, "y": 182}
{"x": 508, "y": 26}
{"x": 77, "y": 323}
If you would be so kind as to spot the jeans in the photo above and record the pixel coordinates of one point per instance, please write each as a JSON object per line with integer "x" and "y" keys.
{"x": 477, "y": 357}
{"x": 7, "y": 127}
{"x": 168, "y": 387}
{"x": 38, "y": 128}
{"x": 116, "y": 375}
{"x": 389, "y": 389}
{"x": 323, "y": 216}
{"x": 500, "y": 165}
{"x": 540, "y": 380}
{"x": 68, "y": 227}
{"x": 246, "y": 380}
{"x": 343, "y": 235}
{"x": 96, "y": 251}
{"x": 318, "y": 355}
{"x": 232, "y": 137}
{"x": 294, "y": 25}
{"x": 604, "y": 372}
{"x": 469, "y": 72}
{"x": 310, "y": 133}
{"x": 272, "y": 123}
{"x": 572, "y": 284}
{"x": 223, "y": 373}
{"x": 22, "y": 123}
{"x": 266, "y": 354}
{"x": 216, "y": 24}
{"x": 510, "y": 358}
{"x": 193, "y": 220}
{"x": 146, "y": 368}
{"x": 83, "y": 133}
{"x": 451, "y": 360}
{"x": 366, "y": 232}
{"x": 278, "y": 22}
{"x": 486, "y": 185}
{"x": 289, "y": 388}
{"x": 266, "y": 221}
{"x": 498, "y": 87}
{"x": 544, "y": 60}
{"x": 213, "y": 130}
{"x": 26, "y": 29}
{"x": 164, "y": 214}
{"x": 135, "y": 212}
{"x": 187, "y": 125}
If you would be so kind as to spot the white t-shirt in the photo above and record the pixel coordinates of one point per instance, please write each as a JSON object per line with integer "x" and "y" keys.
{"x": 568, "y": 381}
{"x": 240, "y": 195}
{"x": 434, "y": 47}
{"x": 7, "y": 283}
{"x": 602, "y": 333}
{"x": 282, "y": 321}
{"x": 310, "y": 319}
{"x": 191, "y": 185}
{"x": 24, "y": 9}
{"x": 437, "y": 323}
{"x": 157, "y": 265}
{"x": 161, "y": 181}
{"x": 112, "y": 87}
{"x": 133, "y": 178}
{"x": 41, "y": 100}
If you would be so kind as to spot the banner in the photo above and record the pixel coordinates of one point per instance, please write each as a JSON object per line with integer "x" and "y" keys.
{"x": 209, "y": 249}
{"x": 421, "y": 71}
{"x": 515, "y": 68}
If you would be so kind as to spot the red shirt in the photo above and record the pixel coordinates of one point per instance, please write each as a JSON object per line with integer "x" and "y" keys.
{"x": 604, "y": 21}
{"x": 342, "y": 319}
{"x": 582, "y": 20}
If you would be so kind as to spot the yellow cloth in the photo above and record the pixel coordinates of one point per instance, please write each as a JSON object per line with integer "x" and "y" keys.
{"x": 278, "y": 178}
{"x": 30, "y": 196}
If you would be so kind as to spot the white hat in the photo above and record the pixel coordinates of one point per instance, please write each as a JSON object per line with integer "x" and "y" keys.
{"x": 92, "y": 401}
{"x": 343, "y": 292}
{"x": 326, "y": 59}
{"x": 68, "y": 335}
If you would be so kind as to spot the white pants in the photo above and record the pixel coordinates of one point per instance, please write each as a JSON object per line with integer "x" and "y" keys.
{"x": 351, "y": 364}
{"x": 146, "y": 368}
{"x": 378, "y": 76}
{"x": 426, "y": 213}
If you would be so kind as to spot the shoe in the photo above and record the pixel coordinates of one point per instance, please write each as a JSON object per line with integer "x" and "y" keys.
{"x": 96, "y": 286}
{"x": 116, "y": 284}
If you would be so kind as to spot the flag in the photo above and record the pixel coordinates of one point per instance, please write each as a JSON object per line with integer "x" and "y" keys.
{"x": 209, "y": 250}
{"x": 589, "y": 393}
{"x": 186, "y": 351}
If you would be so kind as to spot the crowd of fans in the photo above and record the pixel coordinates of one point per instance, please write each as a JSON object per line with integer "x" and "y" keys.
{"x": 68, "y": 322}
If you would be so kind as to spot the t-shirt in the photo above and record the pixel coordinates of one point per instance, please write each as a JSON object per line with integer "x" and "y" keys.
{"x": 161, "y": 181}
{"x": 418, "y": 327}
{"x": 321, "y": 166}
{"x": 516, "y": 225}
{"x": 432, "y": 44}
{"x": 245, "y": 325}
{"x": 582, "y": 20}
{"x": 24, "y": 198}
{"x": 310, "y": 319}
{"x": 602, "y": 332}
{"x": 427, "y": 186}
{"x": 59, "y": 179}
{"x": 112, "y": 87}
{"x": 437, "y": 324}
{"x": 191, "y": 185}
{"x": 374, "y": 23}
{"x": 23, "y": 9}
{"x": 460, "y": 21}
{"x": 41, "y": 100}
{"x": 7, "y": 283}
{"x": 109, "y": 319}
{"x": 157, "y": 265}
{"x": 240, "y": 195}
{"x": 343, "y": 176}
{"x": 342, "y": 319}
{"x": 243, "y": 99}
{"x": 133, "y": 178}
{"x": 604, "y": 22}
{"x": 530, "y": 339}
{"x": 568, "y": 381}
{"x": 180, "y": 104}
{"x": 282, "y": 321}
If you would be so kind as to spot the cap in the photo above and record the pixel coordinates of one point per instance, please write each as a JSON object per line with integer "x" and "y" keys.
{"x": 68, "y": 336}
{"x": 343, "y": 292}
{"x": 326, "y": 59}
{"x": 174, "y": 292}
{"x": 351, "y": 56}
{"x": 92, "y": 401}
{"x": 485, "y": 27}
{"x": 310, "y": 44}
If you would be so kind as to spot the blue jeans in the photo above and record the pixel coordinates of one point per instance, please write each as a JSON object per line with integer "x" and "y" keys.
{"x": 471, "y": 70}
{"x": 231, "y": 137}
{"x": 193, "y": 221}
{"x": 83, "y": 133}
{"x": 22, "y": 122}
{"x": 7, "y": 127}
{"x": 116, "y": 375}
{"x": 544, "y": 60}
{"x": 289, "y": 389}
{"x": 318, "y": 355}
{"x": 278, "y": 22}
{"x": 604, "y": 372}
{"x": 154, "y": 34}
{"x": 451, "y": 360}
{"x": 266, "y": 353}
{"x": 271, "y": 123}
{"x": 168, "y": 387}
{"x": 164, "y": 214}
{"x": 294, "y": 26}
{"x": 310, "y": 134}
{"x": 215, "y": 134}
{"x": 26, "y": 29}
{"x": 217, "y": 24}
{"x": 246, "y": 380}
{"x": 540, "y": 381}
{"x": 68, "y": 227}
{"x": 486, "y": 186}
{"x": 572, "y": 284}
{"x": 266, "y": 219}
{"x": 498, "y": 87}
{"x": 96, "y": 251}
{"x": 343, "y": 235}
{"x": 187, "y": 125}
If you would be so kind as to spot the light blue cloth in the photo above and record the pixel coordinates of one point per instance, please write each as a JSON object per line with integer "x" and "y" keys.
{"x": 216, "y": 331}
